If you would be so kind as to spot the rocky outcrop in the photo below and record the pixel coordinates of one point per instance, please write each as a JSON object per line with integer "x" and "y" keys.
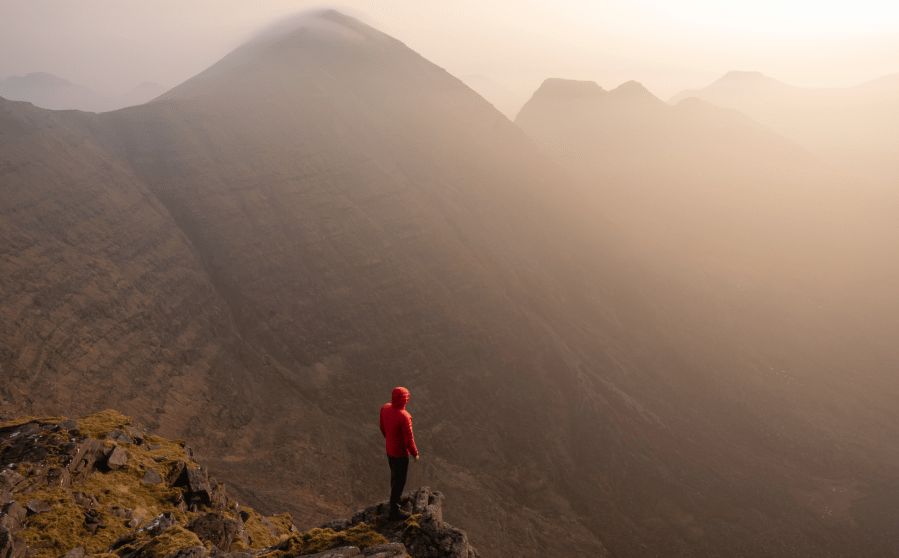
{"x": 75, "y": 489}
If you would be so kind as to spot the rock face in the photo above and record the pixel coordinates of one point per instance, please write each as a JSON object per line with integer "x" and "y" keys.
{"x": 77, "y": 523}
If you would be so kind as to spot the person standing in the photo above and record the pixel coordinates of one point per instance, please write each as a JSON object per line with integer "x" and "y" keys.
{"x": 396, "y": 426}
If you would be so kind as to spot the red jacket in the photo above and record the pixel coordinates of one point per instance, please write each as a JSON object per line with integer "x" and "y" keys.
{"x": 396, "y": 425}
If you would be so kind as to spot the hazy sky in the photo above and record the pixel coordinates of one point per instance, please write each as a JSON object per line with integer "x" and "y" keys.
{"x": 668, "y": 45}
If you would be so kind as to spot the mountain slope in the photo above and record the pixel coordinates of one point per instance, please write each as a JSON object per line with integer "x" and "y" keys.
{"x": 779, "y": 288}
{"x": 354, "y": 218}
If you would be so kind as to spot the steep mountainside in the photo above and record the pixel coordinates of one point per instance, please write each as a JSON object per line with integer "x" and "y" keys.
{"x": 854, "y": 129}
{"x": 796, "y": 269}
{"x": 257, "y": 258}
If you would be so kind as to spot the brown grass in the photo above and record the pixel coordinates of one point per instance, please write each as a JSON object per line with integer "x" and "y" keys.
{"x": 24, "y": 419}
{"x": 319, "y": 540}
{"x": 100, "y": 424}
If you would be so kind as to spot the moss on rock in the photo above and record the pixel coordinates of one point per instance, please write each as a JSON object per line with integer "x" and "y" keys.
{"x": 174, "y": 538}
{"x": 319, "y": 540}
{"x": 282, "y": 523}
{"x": 260, "y": 535}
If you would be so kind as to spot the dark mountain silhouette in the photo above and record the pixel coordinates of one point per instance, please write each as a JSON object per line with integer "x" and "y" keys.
{"x": 257, "y": 257}
{"x": 51, "y": 92}
{"x": 853, "y": 129}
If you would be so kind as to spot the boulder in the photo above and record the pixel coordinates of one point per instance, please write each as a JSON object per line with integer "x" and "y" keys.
{"x": 342, "y": 552}
{"x": 136, "y": 433}
{"x": 150, "y": 530}
{"x": 11, "y": 546}
{"x": 117, "y": 458}
{"x": 152, "y": 477}
{"x": 122, "y": 513}
{"x": 11, "y": 480}
{"x": 337, "y": 525}
{"x": 120, "y": 437}
{"x": 218, "y": 530}
{"x": 59, "y": 477}
{"x": 93, "y": 521}
{"x": 188, "y": 552}
{"x": 12, "y": 517}
{"x": 77, "y": 452}
{"x": 176, "y": 474}
{"x": 86, "y": 501}
{"x": 77, "y": 552}
{"x": 389, "y": 550}
{"x": 36, "y": 507}
{"x": 69, "y": 425}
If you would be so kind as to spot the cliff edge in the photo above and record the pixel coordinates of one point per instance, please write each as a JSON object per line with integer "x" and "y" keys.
{"x": 102, "y": 486}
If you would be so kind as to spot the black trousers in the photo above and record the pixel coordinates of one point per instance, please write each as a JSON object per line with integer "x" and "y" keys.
{"x": 399, "y": 467}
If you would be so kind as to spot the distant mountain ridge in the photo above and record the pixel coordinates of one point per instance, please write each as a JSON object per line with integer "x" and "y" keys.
{"x": 52, "y": 92}
{"x": 854, "y": 129}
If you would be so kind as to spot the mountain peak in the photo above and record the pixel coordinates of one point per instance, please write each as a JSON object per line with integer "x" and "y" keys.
{"x": 742, "y": 76}
{"x": 328, "y": 22}
{"x": 38, "y": 79}
{"x": 569, "y": 89}
{"x": 631, "y": 89}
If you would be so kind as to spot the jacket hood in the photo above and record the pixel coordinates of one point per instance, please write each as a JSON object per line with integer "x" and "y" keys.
{"x": 400, "y": 398}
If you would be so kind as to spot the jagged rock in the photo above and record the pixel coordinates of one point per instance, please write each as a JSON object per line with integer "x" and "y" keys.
{"x": 215, "y": 529}
{"x": 77, "y": 452}
{"x": 12, "y": 517}
{"x": 136, "y": 433}
{"x": 70, "y": 425}
{"x": 176, "y": 473}
{"x": 269, "y": 525}
{"x": 189, "y": 552}
{"x": 120, "y": 437}
{"x": 11, "y": 546}
{"x": 150, "y": 530}
{"x": 86, "y": 501}
{"x": 77, "y": 552}
{"x": 337, "y": 525}
{"x": 59, "y": 477}
{"x": 11, "y": 480}
{"x": 117, "y": 458}
{"x": 342, "y": 552}
{"x": 93, "y": 521}
{"x": 431, "y": 537}
{"x": 123, "y": 513}
{"x": 36, "y": 507}
{"x": 152, "y": 477}
{"x": 389, "y": 550}
{"x": 135, "y": 522}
